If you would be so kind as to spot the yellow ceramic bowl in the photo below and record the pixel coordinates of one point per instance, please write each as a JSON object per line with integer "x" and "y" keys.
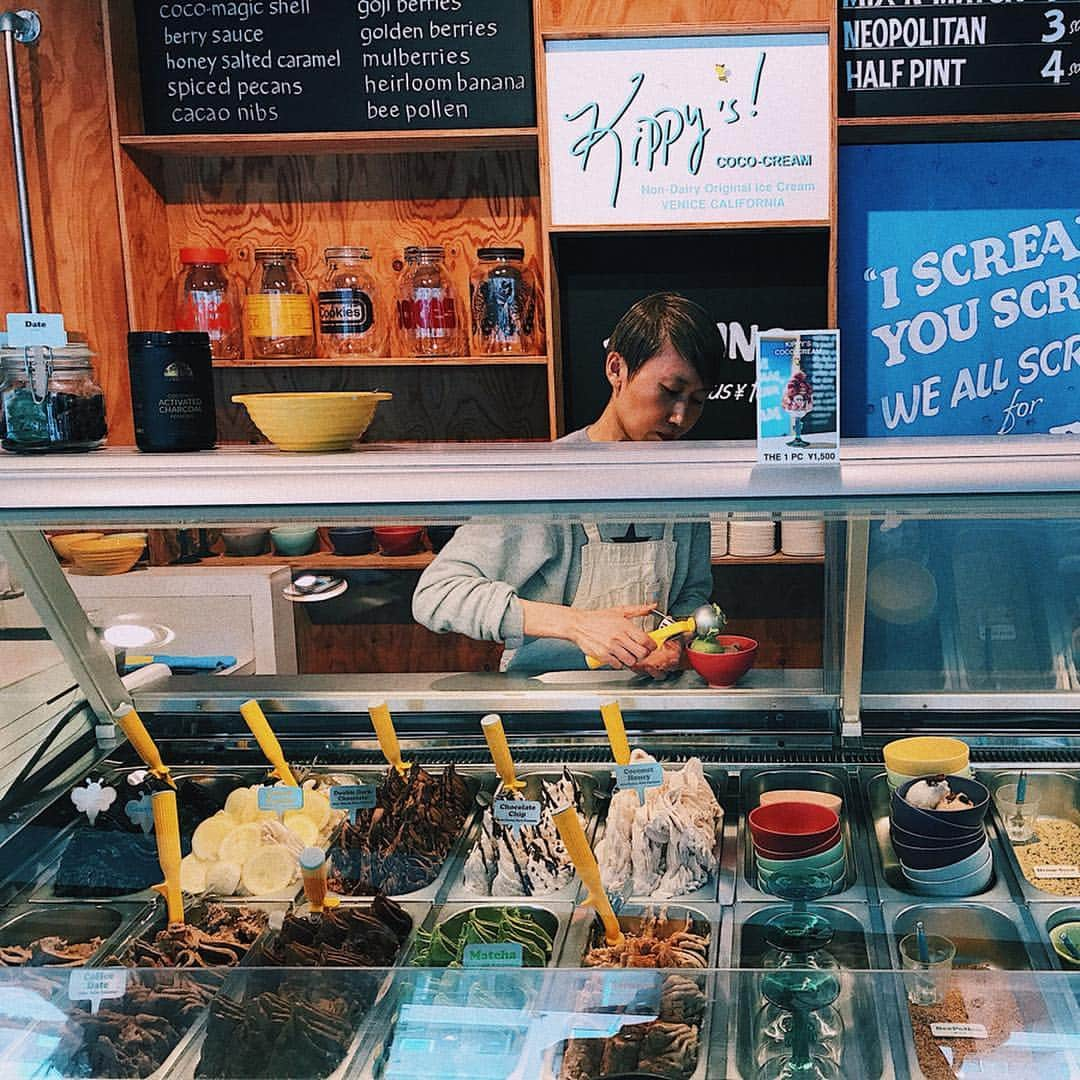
{"x": 62, "y": 544}
{"x": 927, "y": 755}
{"x": 109, "y": 554}
{"x": 312, "y": 422}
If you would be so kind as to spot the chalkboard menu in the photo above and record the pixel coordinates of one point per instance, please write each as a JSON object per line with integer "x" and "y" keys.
{"x": 904, "y": 58}
{"x": 334, "y": 65}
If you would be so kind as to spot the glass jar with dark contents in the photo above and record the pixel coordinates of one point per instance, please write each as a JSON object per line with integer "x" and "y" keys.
{"x": 49, "y": 399}
{"x": 502, "y": 295}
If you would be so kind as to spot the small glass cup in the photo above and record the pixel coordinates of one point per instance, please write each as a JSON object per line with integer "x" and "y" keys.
{"x": 1019, "y": 818}
{"x": 928, "y": 979}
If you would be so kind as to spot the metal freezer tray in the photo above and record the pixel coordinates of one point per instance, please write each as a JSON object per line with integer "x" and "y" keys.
{"x": 720, "y": 888}
{"x": 76, "y": 922}
{"x": 1059, "y": 796}
{"x": 891, "y": 885}
{"x": 476, "y": 780}
{"x": 856, "y": 947}
{"x": 594, "y": 795}
{"x": 753, "y": 783}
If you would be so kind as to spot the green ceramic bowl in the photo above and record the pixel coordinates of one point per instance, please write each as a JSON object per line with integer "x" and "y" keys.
{"x": 294, "y": 539}
{"x": 807, "y": 862}
{"x": 1073, "y": 930}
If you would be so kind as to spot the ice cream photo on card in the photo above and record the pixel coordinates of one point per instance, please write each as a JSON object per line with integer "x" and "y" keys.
{"x": 797, "y": 395}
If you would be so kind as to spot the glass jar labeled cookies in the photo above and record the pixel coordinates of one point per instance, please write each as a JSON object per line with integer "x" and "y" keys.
{"x": 349, "y": 324}
{"x": 277, "y": 309}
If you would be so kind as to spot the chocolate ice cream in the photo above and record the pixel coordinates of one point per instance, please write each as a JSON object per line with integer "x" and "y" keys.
{"x": 220, "y": 939}
{"x": 49, "y": 952}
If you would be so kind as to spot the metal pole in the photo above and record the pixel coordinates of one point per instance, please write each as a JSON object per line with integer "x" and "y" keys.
{"x": 24, "y": 27}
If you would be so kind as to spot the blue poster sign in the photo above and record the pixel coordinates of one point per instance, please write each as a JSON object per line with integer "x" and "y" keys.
{"x": 959, "y": 288}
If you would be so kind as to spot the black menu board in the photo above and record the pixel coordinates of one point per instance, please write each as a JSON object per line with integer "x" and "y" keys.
{"x": 334, "y": 65}
{"x": 900, "y": 58}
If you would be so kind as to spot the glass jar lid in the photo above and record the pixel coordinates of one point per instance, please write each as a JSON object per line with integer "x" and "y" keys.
{"x": 426, "y": 254}
{"x": 74, "y": 356}
{"x": 274, "y": 254}
{"x": 216, "y": 255}
{"x": 490, "y": 254}
{"x": 337, "y": 254}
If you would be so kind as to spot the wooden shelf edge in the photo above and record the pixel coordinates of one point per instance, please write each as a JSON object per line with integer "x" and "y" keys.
{"x": 769, "y": 560}
{"x": 339, "y": 142}
{"x": 691, "y": 226}
{"x": 382, "y": 361}
{"x": 323, "y": 560}
{"x": 925, "y": 121}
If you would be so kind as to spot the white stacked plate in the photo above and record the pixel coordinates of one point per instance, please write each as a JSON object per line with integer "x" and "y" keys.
{"x": 718, "y": 545}
{"x": 802, "y": 537}
{"x": 752, "y": 539}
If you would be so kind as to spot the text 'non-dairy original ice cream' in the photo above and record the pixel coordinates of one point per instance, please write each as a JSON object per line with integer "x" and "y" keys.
{"x": 400, "y": 846}
{"x": 669, "y": 845}
{"x": 534, "y": 862}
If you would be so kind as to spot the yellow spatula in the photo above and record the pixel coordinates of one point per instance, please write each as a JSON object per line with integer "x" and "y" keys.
{"x": 388, "y": 741}
{"x": 616, "y": 732}
{"x": 132, "y": 726}
{"x": 167, "y": 831}
{"x": 573, "y": 837}
{"x": 492, "y": 727}
{"x": 267, "y": 740}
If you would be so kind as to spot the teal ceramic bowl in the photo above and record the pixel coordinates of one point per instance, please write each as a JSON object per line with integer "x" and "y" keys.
{"x": 836, "y": 870}
{"x": 294, "y": 539}
{"x": 807, "y": 862}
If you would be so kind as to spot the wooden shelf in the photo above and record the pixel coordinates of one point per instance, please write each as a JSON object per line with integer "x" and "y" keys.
{"x": 334, "y": 142}
{"x": 381, "y": 361}
{"x": 908, "y": 129}
{"x": 324, "y": 560}
{"x": 778, "y": 559}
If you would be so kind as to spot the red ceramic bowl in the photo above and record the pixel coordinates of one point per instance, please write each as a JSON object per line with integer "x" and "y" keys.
{"x": 721, "y": 670}
{"x": 817, "y": 849}
{"x": 791, "y": 826}
{"x": 399, "y": 539}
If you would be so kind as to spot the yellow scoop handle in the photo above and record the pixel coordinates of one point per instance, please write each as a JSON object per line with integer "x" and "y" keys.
{"x": 659, "y": 635}
{"x": 616, "y": 732}
{"x": 267, "y": 740}
{"x": 132, "y": 726}
{"x": 313, "y": 868}
{"x": 573, "y": 837}
{"x": 384, "y": 730}
{"x": 167, "y": 831}
{"x": 492, "y": 727}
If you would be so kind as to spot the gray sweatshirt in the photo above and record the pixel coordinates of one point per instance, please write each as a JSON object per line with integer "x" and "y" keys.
{"x": 473, "y": 585}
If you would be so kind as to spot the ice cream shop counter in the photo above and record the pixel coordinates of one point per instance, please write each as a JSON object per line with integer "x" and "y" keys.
{"x": 852, "y": 851}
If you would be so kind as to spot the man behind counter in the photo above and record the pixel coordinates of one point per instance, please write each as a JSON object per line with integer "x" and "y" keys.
{"x": 555, "y": 594}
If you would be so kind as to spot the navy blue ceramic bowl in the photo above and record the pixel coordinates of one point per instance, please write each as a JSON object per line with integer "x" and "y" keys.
{"x": 439, "y": 535}
{"x": 351, "y": 540}
{"x": 943, "y": 823}
{"x": 931, "y": 858}
{"x": 906, "y": 836}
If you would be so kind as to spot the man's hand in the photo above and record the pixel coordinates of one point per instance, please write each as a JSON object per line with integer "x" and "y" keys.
{"x": 663, "y": 660}
{"x": 610, "y": 635}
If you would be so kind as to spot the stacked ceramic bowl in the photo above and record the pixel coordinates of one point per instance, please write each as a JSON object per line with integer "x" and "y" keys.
{"x": 798, "y": 838}
{"x": 925, "y": 755}
{"x": 718, "y": 539}
{"x": 942, "y": 852}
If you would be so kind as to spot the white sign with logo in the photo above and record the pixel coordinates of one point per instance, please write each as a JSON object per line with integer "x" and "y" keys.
{"x": 655, "y": 131}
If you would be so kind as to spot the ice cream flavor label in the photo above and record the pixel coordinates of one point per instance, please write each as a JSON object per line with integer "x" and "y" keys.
{"x": 280, "y": 799}
{"x": 639, "y": 777}
{"x": 513, "y": 813}
{"x": 353, "y": 797}
{"x": 959, "y": 1031}
{"x": 497, "y": 954}
{"x": 1057, "y": 872}
{"x": 98, "y": 985}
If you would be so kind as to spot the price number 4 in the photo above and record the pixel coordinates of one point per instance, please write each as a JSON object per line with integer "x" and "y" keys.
{"x": 1055, "y": 31}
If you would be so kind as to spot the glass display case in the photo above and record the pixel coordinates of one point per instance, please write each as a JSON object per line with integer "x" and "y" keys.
{"x": 943, "y": 605}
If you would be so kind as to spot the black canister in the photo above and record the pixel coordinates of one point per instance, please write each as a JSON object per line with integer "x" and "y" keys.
{"x": 172, "y": 390}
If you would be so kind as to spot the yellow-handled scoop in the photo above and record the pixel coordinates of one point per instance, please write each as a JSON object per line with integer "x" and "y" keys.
{"x": 167, "y": 831}
{"x": 573, "y": 837}
{"x": 616, "y": 732}
{"x": 132, "y": 726}
{"x": 703, "y": 621}
{"x": 313, "y": 867}
{"x": 387, "y": 736}
{"x": 492, "y": 727}
{"x": 267, "y": 740}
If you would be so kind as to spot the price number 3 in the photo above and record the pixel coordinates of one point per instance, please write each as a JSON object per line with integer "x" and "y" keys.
{"x": 1056, "y": 29}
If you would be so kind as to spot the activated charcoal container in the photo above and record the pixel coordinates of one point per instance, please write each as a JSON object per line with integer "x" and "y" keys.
{"x": 172, "y": 390}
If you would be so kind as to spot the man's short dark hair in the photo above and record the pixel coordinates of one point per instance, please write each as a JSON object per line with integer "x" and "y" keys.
{"x": 665, "y": 317}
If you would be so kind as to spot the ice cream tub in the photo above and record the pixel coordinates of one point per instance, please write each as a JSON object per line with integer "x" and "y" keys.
{"x": 720, "y": 883}
{"x": 594, "y": 789}
{"x": 78, "y": 925}
{"x": 101, "y": 850}
{"x": 890, "y": 881}
{"x": 755, "y": 782}
{"x": 1046, "y": 865}
{"x": 349, "y": 843}
{"x": 680, "y": 996}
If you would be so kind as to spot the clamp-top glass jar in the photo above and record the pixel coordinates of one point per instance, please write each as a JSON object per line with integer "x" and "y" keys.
{"x": 428, "y": 313}
{"x": 277, "y": 308}
{"x": 348, "y": 322}
{"x": 49, "y": 399}
{"x": 502, "y": 300}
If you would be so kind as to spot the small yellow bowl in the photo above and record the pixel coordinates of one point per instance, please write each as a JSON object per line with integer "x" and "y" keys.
{"x": 109, "y": 554}
{"x": 927, "y": 755}
{"x": 62, "y": 544}
{"x": 315, "y": 421}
